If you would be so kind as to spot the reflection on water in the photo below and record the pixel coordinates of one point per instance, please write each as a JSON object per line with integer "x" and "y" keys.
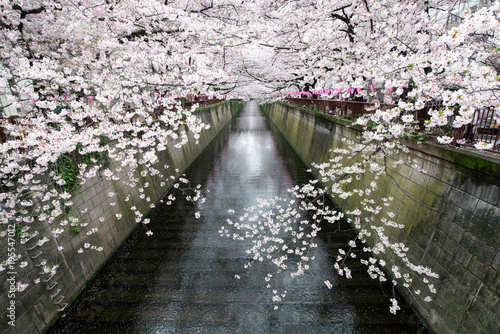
{"x": 181, "y": 279}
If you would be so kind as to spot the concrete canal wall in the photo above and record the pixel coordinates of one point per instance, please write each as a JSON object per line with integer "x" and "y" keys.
{"x": 451, "y": 213}
{"x": 38, "y": 305}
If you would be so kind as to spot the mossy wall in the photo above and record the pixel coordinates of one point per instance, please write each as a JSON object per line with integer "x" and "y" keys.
{"x": 38, "y": 305}
{"x": 451, "y": 214}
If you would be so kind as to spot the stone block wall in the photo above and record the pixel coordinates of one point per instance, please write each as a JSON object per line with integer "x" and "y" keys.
{"x": 38, "y": 305}
{"x": 451, "y": 212}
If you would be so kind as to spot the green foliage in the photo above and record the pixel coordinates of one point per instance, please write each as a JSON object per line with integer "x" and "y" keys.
{"x": 68, "y": 171}
{"x": 19, "y": 229}
{"x": 73, "y": 226}
{"x": 66, "y": 165}
{"x": 238, "y": 107}
{"x": 75, "y": 229}
{"x": 420, "y": 137}
{"x": 416, "y": 136}
{"x": 448, "y": 130}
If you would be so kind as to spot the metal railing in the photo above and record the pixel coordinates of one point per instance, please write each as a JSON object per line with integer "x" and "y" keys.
{"x": 484, "y": 127}
{"x": 347, "y": 109}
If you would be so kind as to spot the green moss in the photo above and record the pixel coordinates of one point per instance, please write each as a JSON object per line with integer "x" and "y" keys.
{"x": 210, "y": 106}
{"x": 237, "y": 107}
{"x": 484, "y": 165}
{"x": 476, "y": 163}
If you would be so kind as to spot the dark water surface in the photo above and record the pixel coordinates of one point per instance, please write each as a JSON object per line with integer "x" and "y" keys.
{"x": 181, "y": 279}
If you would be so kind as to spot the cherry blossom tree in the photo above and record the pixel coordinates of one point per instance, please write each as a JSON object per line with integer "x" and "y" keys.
{"x": 418, "y": 62}
{"x": 342, "y": 44}
{"x": 98, "y": 80}
{"x": 97, "y": 86}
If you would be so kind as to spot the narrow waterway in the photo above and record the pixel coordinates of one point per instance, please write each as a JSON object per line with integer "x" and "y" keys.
{"x": 182, "y": 278}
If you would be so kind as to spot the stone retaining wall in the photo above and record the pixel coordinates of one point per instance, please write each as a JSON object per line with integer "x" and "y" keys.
{"x": 451, "y": 212}
{"x": 38, "y": 305}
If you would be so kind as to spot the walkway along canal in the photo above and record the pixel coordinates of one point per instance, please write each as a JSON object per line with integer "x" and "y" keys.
{"x": 182, "y": 278}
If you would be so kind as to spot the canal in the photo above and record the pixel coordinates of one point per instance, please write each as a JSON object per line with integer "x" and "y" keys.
{"x": 182, "y": 278}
